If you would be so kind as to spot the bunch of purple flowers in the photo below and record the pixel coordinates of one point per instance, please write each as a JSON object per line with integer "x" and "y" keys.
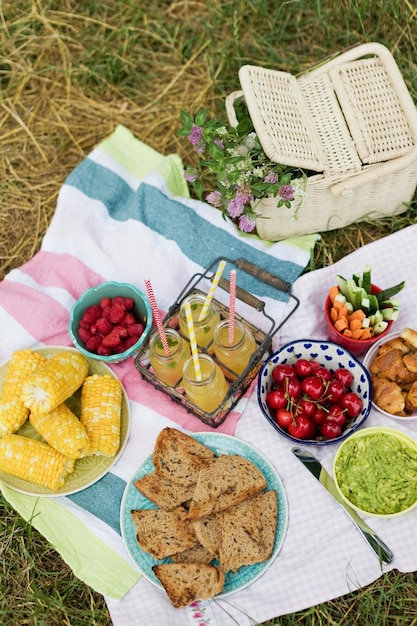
{"x": 232, "y": 160}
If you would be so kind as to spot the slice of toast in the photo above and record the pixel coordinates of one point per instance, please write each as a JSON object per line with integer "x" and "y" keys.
{"x": 195, "y": 554}
{"x": 209, "y": 533}
{"x": 164, "y": 492}
{"x": 228, "y": 480}
{"x": 187, "y": 582}
{"x": 248, "y": 531}
{"x": 163, "y": 533}
{"x": 179, "y": 457}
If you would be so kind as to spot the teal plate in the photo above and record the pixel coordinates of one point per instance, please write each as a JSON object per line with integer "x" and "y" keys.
{"x": 220, "y": 444}
{"x": 87, "y": 470}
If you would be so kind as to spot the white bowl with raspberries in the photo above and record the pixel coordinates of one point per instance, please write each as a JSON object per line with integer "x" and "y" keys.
{"x": 111, "y": 321}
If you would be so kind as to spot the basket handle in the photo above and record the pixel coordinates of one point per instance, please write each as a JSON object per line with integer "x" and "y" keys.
{"x": 230, "y": 107}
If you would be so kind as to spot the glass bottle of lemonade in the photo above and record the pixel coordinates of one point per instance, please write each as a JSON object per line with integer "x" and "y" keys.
{"x": 235, "y": 356}
{"x": 204, "y": 329}
{"x": 208, "y": 392}
{"x": 168, "y": 368}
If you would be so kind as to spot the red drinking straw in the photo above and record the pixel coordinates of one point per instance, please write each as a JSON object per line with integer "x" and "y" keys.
{"x": 157, "y": 316}
{"x": 232, "y": 302}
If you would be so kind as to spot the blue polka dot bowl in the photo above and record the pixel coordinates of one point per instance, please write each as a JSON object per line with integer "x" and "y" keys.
{"x": 333, "y": 357}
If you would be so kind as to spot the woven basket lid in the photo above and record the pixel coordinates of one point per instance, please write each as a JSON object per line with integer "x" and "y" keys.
{"x": 280, "y": 118}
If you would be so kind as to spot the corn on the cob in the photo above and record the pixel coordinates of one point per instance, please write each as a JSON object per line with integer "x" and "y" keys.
{"x": 101, "y": 402}
{"x": 13, "y": 413}
{"x": 62, "y": 429}
{"x": 54, "y": 381}
{"x": 34, "y": 461}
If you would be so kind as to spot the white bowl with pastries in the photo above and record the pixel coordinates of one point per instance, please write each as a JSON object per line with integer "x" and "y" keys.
{"x": 392, "y": 365}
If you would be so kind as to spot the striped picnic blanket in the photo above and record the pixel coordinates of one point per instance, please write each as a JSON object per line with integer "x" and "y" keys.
{"x": 124, "y": 215}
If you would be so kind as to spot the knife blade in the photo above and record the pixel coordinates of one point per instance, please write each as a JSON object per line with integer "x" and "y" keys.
{"x": 318, "y": 471}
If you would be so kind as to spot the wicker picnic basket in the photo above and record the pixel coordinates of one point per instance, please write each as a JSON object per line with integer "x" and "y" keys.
{"x": 351, "y": 123}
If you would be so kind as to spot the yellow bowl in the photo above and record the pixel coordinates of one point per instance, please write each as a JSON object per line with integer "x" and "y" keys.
{"x": 380, "y": 462}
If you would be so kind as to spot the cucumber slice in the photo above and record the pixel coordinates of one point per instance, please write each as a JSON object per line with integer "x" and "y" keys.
{"x": 380, "y": 327}
{"x": 366, "y": 278}
{"x": 390, "y": 314}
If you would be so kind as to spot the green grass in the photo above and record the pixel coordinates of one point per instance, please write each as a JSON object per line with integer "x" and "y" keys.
{"x": 70, "y": 71}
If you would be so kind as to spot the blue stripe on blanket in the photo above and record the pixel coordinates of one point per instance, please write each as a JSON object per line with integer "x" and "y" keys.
{"x": 103, "y": 499}
{"x": 199, "y": 240}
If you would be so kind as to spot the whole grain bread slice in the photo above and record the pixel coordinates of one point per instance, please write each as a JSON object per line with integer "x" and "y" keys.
{"x": 186, "y": 582}
{"x": 164, "y": 492}
{"x": 209, "y": 533}
{"x": 196, "y": 553}
{"x": 163, "y": 533}
{"x": 248, "y": 531}
{"x": 228, "y": 480}
{"x": 180, "y": 457}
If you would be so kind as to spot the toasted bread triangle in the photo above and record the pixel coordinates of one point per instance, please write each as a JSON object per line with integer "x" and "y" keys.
{"x": 187, "y": 582}
{"x": 228, "y": 480}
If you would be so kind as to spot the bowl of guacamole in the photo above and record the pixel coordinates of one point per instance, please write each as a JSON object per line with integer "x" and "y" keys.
{"x": 375, "y": 472}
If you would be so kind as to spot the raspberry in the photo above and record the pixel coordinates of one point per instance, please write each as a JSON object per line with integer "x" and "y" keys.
{"x": 117, "y": 312}
{"x": 106, "y": 312}
{"x": 103, "y": 326}
{"x": 121, "y": 331}
{"x": 128, "y": 319}
{"x": 112, "y": 340}
{"x": 130, "y": 341}
{"x": 91, "y": 314}
{"x": 105, "y": 302}
{"x": 127, "y": 303}
{"x": 135, "y": 330}
{"x": 93, "y": 343}
{"x": 84, "y": 334}
{"x": 104, "y": 351}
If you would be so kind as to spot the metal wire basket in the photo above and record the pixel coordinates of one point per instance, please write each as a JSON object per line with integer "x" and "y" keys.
{"x": 238, "y": 384}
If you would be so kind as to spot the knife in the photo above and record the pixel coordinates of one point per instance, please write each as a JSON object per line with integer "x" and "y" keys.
{"x": 315, "y": 467}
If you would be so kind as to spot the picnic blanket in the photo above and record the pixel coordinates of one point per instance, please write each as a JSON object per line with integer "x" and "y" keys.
{"x": 122, "y": 214}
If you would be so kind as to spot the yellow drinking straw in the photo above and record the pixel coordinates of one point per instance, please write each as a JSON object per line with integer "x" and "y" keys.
{"x": 193, "y": 342}
{"x": 212, "y": 289}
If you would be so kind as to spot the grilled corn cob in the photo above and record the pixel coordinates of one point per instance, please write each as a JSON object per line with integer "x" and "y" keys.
{"x": 54, "y": 381}
{"x": 62, "y": 429}
{"x": 13, "y": 412}
{"x": 101, "y": 402}
{"x": 34, "y": 461}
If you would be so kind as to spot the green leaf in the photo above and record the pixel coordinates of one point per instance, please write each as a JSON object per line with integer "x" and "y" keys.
{"x": 200, "y": 118}
{"x": 215, "y": 151}
{"x": 198, "y": 188}
{"x": 186, "y": 119}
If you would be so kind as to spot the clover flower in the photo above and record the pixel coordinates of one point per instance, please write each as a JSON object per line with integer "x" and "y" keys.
{"x": 234, "y": 162}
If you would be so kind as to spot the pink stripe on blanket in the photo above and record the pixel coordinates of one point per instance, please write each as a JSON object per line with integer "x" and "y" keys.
{"x": 65, "y": 271}
{"x": 39, "y": 314}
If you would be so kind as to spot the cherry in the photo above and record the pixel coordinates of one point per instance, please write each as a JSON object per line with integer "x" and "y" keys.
{"x": 282, "y": 371}
{"x": 337, "y": 414}
{"x": 313, "y": 386}
{"x": 344, "y": 376}
{"x": 334, "y": 391}
{"x": 352, "y": 403}
{"x": 276, "y": 399}
{"x": 303, "y": 368}
{"x": 284, "y": 418}
{"x": 302, "y": 427}
{"x": 293, "y": 387}
{"x": 323, "y": 372}
{"x": 330, "y": 429}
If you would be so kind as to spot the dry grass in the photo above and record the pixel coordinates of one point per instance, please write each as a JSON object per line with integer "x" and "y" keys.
{"x": 70, "y": 72}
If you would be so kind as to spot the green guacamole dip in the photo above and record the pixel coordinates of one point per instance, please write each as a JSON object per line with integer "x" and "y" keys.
{"x": 378, "y": 473}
